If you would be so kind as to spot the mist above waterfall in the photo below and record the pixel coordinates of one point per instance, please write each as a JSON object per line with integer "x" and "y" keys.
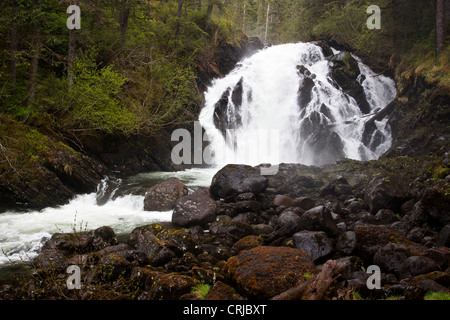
{"x": 301, "y": 103}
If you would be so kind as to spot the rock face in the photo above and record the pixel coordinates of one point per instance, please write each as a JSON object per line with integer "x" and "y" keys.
{"x": 264, "y": 272}
{"x": 162, "y": 196}
{"x": 345, "y": 71}
{"x": 233, "y": 180}
{"x": 194, "y": 209}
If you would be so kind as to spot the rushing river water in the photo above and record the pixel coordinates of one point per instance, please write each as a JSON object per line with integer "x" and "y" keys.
{"x": 118, "y": 203}
{"x": 268, "y": 84}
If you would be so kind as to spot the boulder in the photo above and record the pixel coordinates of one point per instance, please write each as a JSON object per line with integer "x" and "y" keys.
{"x": 125, "y": 251}
{"x": 441, "y": 256}
{"x": 416, "y": 265}
{"x": 63, "y": 246}
{"x": 265, "y": 271}
{"x": 336, "y": 188}
{"x": 170, "y": 286}
{"x": 444, "y": 237}
{"x": 319, "y": 219}
{"x": 325, "y": 47}
{"x": 392, "y": 256}
{"x": 288, "y": 223}
{"x": 222, "y": 291}
{"x": 52, "y": 260}
{"x": 162, "y": 196}
{"x": 386, "y": 192}
{"x": 232, "y": 180}
{"x": 112, "y": 266}
{"x": 282, "y": 200}
{"x": 370, "y": 238}
{"x": 437, "y": 207}
{"x": 246, "y": 243}
{"x": 304, "y": 93}
{"x": 194, "y": 209}
{"x": 231, "y": 229}
{"x": 305, "y": 203}
{"x": 314, "y": 243}
{"x": 385, "y": 216}
{"x": 346, "y": 242}
{"x": 161, "y": 244}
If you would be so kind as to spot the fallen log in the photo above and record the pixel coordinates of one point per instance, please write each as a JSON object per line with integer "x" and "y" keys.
{"x": 316, "y": 287}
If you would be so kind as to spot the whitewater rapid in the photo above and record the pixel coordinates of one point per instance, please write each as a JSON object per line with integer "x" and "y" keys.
{"x": 115, "y": 204}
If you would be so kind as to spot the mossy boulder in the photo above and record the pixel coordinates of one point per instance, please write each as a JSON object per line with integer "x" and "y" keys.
{"x": 161, "y": 244}
{"x": 266, "y": 271}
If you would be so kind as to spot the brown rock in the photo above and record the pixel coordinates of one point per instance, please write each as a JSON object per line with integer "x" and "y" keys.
{"x": 265, "y": 271}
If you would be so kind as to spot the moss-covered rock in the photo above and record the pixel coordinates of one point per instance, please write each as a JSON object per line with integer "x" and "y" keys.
{"x": 264, "y": 271}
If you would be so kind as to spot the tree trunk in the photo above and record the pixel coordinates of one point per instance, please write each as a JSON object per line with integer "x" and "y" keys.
{"x": 314, "y": 288}
{"x": 177, "y": 28}
{"x": 33, "y": 67}
{"x": 440, "y": 27}
{"x": 267, "y": 22}
{"x": 13, "y": 46}
{"x": 123, "y": 17}
{"x": 209, "y": 8}
{"x": 70, "y": 58}
{"x": 236, "y": 21}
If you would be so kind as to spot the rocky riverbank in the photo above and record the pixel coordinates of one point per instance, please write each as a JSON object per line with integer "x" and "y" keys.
{"x": 306, "y": 232}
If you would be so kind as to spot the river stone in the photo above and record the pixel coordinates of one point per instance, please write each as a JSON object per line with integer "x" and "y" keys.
{"x": 386, "y": 192}
{"x": 266, "y": 271}
{"x": 156, "y": 242}
{"x": 287, "y": 223}
{"x": 162, "y": 197}
{"x": 319, "y": 219}
{"x": 194, "y": 209}
{"x": 232, "y": 180}
{"x": 315, "y": 243}
{"x": 346, "y": 242}
{"x": 416, "y": 265}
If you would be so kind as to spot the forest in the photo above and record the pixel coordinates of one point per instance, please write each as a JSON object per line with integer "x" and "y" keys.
{"x": 132, "y": 65}
{"x": 139, "y": 67}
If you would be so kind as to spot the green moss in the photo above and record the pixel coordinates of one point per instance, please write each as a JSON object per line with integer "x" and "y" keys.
{"x": 307, "y": 275}
{"x": 437, "y": 296}
{"x": 440, "y": 172}
{"x": 201, "y": 290}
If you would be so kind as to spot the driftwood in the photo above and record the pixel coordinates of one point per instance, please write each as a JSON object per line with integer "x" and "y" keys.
{"x": 314, "y": 288}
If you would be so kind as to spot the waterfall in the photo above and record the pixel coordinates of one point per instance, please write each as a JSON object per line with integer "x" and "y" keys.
{"x": 290, "y": 103}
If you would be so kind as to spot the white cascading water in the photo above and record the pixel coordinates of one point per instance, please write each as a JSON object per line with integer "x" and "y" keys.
{"x": 269, "y": 126}
{"x": 269, "y": 109}
{"x": 117, "y": 203}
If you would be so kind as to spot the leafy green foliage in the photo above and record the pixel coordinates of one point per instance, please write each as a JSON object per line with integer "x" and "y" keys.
{"x": 132, "y": 70}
